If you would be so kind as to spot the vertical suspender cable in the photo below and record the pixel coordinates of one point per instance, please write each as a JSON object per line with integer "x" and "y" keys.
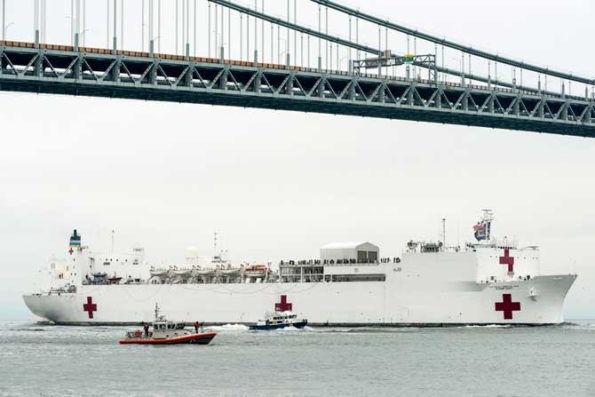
{"x": 256, "y": 32}
{"x": 107, "y": 28}
{"x": 183, "y": 30}
{"x": 176, "y": 25}
{"x": 349, "y": 17}
{"x": 326, "y": 55}
{"x": 35, "y": 20}
{"x": 122, "y": 24}
{"x": 194, "y": 27}
{"x": 3, "y": 20}
{"x": 115, "y": 44}
{"x": 357, "y": 35}
{"x": 159, "y": 25}
{"x": 319, "y": 39}
{"x": 228, "y": 32}
{"x": 142, "y": 36}
{"x": 295, "y": 32}
{"x": 262, "y": 28}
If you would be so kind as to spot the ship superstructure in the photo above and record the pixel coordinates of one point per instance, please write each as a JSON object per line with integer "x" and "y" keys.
{"x": 484, "y": 282}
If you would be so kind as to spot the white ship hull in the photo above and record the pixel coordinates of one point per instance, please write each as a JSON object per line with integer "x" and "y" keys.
{"x": 359, "y": 303}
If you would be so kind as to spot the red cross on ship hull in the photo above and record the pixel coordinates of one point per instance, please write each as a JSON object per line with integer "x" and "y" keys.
{"x": 90, "y": 307}
{"x": 283, "y": 306}
{"x": 507, "y": 306}
{"x": 507, "y": 260}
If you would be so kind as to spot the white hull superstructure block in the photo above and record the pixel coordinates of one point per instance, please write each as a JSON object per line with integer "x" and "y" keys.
{"x": 487, "y": 282}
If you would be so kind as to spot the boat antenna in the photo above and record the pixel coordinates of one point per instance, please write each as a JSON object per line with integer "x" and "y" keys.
{"x": 215, "y": 243}
{"x": 113, "y": 237}
{"x": 444, "y": 232}
{"x": 156, "y": 311}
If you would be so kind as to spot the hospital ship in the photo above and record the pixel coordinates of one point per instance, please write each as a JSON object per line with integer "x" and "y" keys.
{"x": 486, "y": 281}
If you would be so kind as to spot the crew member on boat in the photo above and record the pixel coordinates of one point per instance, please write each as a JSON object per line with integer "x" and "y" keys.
{"x": 146, "y": 327}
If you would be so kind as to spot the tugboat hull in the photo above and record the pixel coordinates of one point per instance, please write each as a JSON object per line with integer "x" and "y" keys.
{"x": 271, "y": 327}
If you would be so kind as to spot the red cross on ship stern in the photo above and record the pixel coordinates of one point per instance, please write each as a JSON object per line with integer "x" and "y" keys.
{"x": 90, "y": 307}
{"x": 283, "y": 306}
{"x": 507, "y": 260}
{"x": 507, "y": 306}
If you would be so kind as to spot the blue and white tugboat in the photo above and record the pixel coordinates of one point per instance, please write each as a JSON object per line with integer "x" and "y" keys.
{"x": 279, "y": 320}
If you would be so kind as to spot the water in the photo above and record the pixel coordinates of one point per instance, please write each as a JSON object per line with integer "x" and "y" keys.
{"x": 38, "y": 360}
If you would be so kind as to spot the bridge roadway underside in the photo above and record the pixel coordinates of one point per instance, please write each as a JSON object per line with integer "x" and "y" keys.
{"x": 272, "y": 87}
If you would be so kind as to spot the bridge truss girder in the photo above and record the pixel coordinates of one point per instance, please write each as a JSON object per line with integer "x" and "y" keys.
{"x": 209, "y": 81}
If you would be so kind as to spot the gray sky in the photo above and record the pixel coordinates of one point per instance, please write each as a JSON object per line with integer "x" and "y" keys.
{"x": 279, "y": 184}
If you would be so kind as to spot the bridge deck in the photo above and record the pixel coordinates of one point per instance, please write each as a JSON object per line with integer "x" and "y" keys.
{"x": 57, "y": 69}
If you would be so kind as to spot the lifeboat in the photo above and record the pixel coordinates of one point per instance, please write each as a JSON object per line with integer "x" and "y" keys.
{"x": 159, "y": 272}
{"x": 183, "y": 272}
{"x": 230, "y": 272}
{"x": 167, "y": 333}
{"x": 114, "y": 280}
{"x": 255, "y": 271}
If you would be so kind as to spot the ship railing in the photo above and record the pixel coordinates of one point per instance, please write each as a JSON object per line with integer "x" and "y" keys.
{"x": 337, "y": 262}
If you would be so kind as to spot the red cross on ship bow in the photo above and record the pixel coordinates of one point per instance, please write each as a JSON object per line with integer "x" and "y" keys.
{"x": 507, "y": 260}
{"x": 90, "y": 307}
{"x": 507, "y": 306}
{"x": 283, "y": 306}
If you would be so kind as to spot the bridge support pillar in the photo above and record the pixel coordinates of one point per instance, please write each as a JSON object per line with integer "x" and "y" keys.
{"x": 257, "y": 82}
{"x": 188, "y": 76}
{"x": 116, "y": 70}
{"x": 223, "y": 79}
{"x": 382, "y": 94}
{"x": 565, "y": 112}
{"x": 78, "y": 68}
{"x": 320, "y": 89}
{"x": 289, "y": 87}
{"x": 39, "y": 64}
{"x": 438, "y": 100}
{"x": 352, "y": 89}
{"x": 410, "y": 94}
{"x": 153, "y": 72}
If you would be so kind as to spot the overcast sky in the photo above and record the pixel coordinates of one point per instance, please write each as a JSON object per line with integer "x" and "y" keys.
{"x": 280, "y": 184}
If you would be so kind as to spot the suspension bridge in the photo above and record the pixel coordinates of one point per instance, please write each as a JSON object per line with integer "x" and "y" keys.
{"x": 260, "y": 55}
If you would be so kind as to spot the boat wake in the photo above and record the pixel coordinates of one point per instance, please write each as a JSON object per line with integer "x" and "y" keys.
{"x": 229, "y": 328}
